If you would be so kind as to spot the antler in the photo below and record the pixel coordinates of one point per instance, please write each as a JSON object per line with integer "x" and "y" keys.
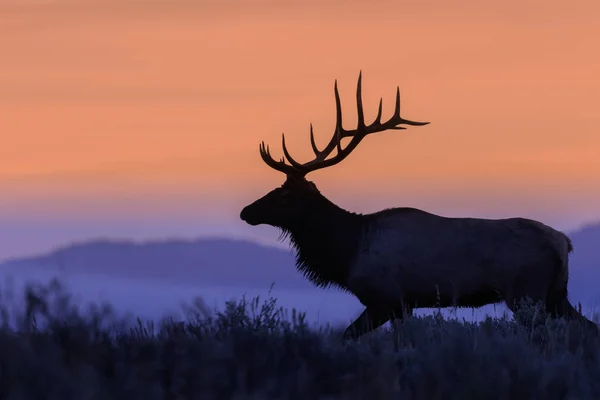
{"x": 358, "y": 134}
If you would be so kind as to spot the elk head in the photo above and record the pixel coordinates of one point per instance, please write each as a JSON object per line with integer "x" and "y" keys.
{"x": 299, "y": 199}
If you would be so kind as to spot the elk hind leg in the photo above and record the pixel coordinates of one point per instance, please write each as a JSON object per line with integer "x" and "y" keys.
{"x": 558, "y": 305}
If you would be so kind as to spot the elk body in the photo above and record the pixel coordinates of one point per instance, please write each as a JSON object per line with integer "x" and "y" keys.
{"x": 399, "y": 259}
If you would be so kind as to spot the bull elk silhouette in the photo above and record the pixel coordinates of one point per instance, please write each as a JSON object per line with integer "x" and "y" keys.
{"x": 402, "y": 258}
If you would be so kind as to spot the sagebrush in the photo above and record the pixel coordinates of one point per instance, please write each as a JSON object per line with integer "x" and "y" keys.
{"x": 50, "y": 349}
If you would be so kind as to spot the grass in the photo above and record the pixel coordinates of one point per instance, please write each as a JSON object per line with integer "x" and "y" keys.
{"x": 256, "y": 350}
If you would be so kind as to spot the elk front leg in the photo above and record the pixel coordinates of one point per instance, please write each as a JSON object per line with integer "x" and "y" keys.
{"x": 370, "y": 319}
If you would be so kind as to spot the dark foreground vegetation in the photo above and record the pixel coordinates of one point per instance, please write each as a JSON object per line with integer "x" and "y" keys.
{"x": 253, "y": 350}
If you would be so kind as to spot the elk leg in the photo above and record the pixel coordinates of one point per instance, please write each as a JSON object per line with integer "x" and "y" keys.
{"x": 558, "y": 305}
{"x": 370, "y": 319}
{"x": 402, "y": 312}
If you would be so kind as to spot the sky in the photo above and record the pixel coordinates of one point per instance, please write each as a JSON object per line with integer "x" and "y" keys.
{"x": 142, "y": 118}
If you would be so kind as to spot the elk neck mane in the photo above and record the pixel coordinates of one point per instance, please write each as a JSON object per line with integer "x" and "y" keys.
{"x": 326, "y": 242}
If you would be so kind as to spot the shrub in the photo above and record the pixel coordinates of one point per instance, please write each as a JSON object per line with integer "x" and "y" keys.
{"x": 252, "y": 350}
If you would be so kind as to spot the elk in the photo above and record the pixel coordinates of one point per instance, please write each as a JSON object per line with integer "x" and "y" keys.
{"x": 402, "y": 258}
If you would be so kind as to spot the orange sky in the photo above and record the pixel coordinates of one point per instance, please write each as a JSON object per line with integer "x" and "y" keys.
{"x": 135, "y": 107}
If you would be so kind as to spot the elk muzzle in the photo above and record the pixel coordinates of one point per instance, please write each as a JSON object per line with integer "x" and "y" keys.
{"x": 246, "y": 216}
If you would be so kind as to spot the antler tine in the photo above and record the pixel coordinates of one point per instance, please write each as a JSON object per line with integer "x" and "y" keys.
{"x": 281, "y": 166}
{"x": 396, "y": 116}
{"x": 397, "y": 105}
{"x": 397, "y": 119}
{"x": 359, "y": 105}
{"x": 287, "y": 154}
{"x": 312, "y": 141}
{"x": 379, "y": 111}
{"x": 338, "y": 110}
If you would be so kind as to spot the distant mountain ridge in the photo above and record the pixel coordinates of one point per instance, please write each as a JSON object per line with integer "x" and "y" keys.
{"x": 217, "y": 261}
{"x": 223, "y": 261}
{"x": 584, "y": 280}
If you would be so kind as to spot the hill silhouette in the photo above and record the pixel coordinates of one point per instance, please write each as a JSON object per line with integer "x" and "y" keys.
{"x": 222, "y": 261}
{"x": 584, "y": 280}
{"x": 203, "y": 261}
